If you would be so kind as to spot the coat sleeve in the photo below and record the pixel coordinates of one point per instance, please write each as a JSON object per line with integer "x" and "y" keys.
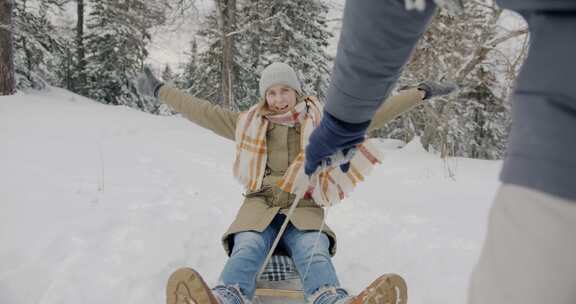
{"x": 201, "y": 112}
{"x": 395, "y": 106}
{"x": 377, "y": 39}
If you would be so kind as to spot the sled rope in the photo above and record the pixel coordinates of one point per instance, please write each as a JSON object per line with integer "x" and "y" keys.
{"x": 298, "y": 196}
{"x": 297, "y": 199}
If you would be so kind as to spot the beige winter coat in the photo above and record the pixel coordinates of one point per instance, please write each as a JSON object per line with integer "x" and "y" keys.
{"x": 260, "y": 207}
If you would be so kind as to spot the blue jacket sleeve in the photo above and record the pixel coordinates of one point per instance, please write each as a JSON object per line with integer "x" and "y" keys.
{"x": 376, "y": 41}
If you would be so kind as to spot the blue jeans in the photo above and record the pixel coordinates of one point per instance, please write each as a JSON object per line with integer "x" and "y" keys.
{"x": 307, "y": 249}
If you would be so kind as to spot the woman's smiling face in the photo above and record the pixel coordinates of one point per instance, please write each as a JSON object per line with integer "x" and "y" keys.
{"x": 280, "y": 98}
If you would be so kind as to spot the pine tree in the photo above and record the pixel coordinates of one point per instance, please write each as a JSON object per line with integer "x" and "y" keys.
{"x": 67, "y": 67}
{"x": 206, "y": 83}
{"x": 290, "y": 31}
{"x": 167, "y": 75}
{"x": 115, "y": 50}
{"x": 187, "y": 79}
{"x": 38, "y": 44}
{"x": 79, "y": 83}
{"x": 297, "y": 34}
{"x": 473, "y": 123}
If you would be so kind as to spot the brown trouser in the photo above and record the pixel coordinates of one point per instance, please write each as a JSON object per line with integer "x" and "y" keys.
{"x": 529, "y": 255}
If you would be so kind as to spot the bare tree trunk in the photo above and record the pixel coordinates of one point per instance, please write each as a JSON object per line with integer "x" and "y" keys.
{"x": 7, "y": 81}
{"x": 27, "y": 53}
{"x": 80, "y": 50}
{"x": 257, "y": 29}
{"x": 227, "y": 23}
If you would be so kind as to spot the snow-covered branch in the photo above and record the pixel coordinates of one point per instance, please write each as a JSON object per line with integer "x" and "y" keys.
{"x": 482, "y": 52}
{"x": 334, "y": 20}
{"x": 490, "y": 7}
{"x": 510, "y": 35}
{"x": 5, "y": 27}
{"x": 250, "y": 25}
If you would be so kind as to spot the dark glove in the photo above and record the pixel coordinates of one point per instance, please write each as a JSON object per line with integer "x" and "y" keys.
{"x": 434, "y": 89}
{"x": 147, "y": 84}
{"x": 330, "y": 137}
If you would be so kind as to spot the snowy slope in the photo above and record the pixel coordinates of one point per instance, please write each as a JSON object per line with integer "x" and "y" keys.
{"x": 98, "y": 204}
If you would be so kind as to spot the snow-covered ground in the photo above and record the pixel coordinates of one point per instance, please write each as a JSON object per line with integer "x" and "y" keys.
{"x": 99, "y": 204}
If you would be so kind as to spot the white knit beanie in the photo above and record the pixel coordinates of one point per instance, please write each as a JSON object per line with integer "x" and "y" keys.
{"x": 278, "y": 73}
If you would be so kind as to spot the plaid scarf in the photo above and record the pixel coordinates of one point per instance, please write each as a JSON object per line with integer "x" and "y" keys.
{"x": 329, "y": 186}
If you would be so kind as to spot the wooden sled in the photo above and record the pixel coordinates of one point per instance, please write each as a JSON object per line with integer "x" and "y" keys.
{"x": 279, "y": 283}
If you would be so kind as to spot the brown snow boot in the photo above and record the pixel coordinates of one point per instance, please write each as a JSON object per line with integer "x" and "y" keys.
{"x": 387, "y": 289}
{"x": 186, "y": 286}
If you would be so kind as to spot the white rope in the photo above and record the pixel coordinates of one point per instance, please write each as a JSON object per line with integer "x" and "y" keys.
{"x": 297, "y": 199}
